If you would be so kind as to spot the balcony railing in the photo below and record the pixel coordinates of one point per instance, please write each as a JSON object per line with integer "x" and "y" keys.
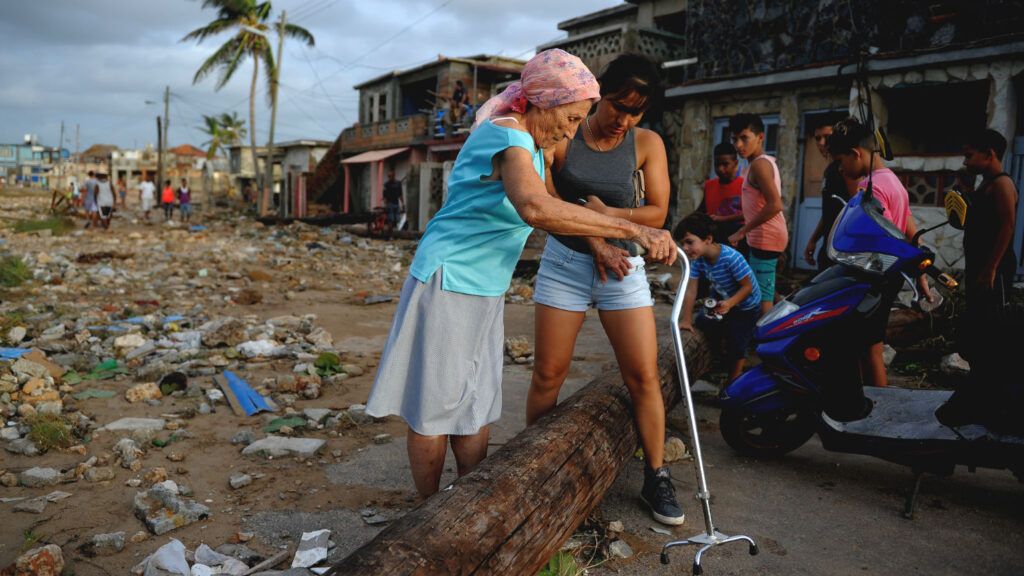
{"x": 400, "y": 131}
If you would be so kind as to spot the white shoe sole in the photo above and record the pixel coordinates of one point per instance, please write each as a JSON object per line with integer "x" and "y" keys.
{"x": 666, "y": 520}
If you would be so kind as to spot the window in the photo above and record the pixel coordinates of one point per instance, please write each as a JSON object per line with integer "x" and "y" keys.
{"x": 722, "y": 134}
{"x": 933, "y": 119}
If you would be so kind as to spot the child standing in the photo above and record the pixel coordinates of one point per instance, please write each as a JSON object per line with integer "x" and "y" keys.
{"x": 764, "y": 226}
{"x": 852, "y": 144}
{"x": 732, "y": 283}
{"x": 722, "y": 194}
{"x": 185, "y": 201}
{"x": 104, "y": 200}
{"x": 167, "y": 199}
{"x": 147, "y": 196}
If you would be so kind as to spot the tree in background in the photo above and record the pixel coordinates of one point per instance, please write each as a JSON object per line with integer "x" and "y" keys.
{"x": 225, "y": 131}
{"x": 249, "y": 22}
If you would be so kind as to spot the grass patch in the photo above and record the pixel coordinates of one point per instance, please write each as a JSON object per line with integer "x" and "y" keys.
{"x": 50, "y": 431}
{"x": 55, "y": 224}
{"x": 13, "y": 271}
{"x": 28, "y": 540}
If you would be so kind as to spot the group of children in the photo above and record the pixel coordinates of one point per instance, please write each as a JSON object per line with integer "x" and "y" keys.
{"x": 168, "y": 196}
{"x": 744, "y": 215}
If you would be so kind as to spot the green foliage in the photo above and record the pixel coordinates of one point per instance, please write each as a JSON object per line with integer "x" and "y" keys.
{"x": 328, "y": 364}
{"x": 50, "y": 431}
{"x": 13, "y": 271}
{"x": 56, "y": 224}
{"x": 561, "y": 564}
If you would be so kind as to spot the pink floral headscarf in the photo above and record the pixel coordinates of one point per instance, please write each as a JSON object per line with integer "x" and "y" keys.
{"x": 551, "y": 78}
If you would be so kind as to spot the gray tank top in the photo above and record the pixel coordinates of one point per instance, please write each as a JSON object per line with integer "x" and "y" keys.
{"x": 607, "y": 175}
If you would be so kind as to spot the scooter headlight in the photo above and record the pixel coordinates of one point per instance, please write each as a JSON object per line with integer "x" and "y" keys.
{"x": 782, "y": 309}
{"x": 868, "y": 261}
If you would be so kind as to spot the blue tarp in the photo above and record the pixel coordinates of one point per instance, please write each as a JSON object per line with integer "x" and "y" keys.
{"x": 13, "y": 353}
{"x": 250, "y": 401}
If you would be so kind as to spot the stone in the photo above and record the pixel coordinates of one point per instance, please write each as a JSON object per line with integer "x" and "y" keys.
{"x": 16, "y": 335}
{"x": 157, "y": 475}
{"x": 357, "y": 413}
{"x": 245, "y": 437}
{"x": 162, "y": 510}
{"x": 23, "y": 446}
{"x": 704, "y": 387}
{"x": 129, "y": 451}
{"x": 225, "y": 331}
{"x": 43, "y": 561}
{"x": 143, "y": 425}
{"x": 954, "y": 365}
{"x": 888, "y": 354}
{"x": 35, "y": 477}
{"x": 239, "y": 481}
{"x": 518, "y": 347}
{"x": 276, "y": 446}
{"x": 25, "y": 369}
{"x": 675, "y": 450}
{"x": 382, "y": 439}
{"x": 353, "y": 370}
{"x": 140, "y": 351}
{"x": 615, "y": 526}
{"x": 140, "y": 536}
{"x": 130, "y": 341}
{"x": 317, "y": 415}
{"x": 266, "y": 348}
{"x": 99, "y": 474}
{"x": 107, "y": 544}
{"x": 142, "y": 392}
{"x": 619, "y": 549}
{"x": 9, "y": 480}
{"x": 31, "y": 506}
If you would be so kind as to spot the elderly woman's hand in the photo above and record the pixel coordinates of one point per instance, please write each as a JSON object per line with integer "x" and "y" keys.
{"x": 658, "y": 244}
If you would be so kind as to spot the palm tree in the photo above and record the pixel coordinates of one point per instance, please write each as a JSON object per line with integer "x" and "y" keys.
{"x": 224, "y": 131}
{"x": 248, "y": 20}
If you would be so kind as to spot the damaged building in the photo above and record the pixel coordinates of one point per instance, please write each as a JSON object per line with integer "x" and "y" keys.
{"x": 936, "y": 72}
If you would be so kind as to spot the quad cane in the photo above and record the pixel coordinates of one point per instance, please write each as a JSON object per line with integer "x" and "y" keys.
{"x": 711, "y": 537}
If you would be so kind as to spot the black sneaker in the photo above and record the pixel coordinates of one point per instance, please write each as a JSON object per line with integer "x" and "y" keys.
{"x": 660, "y": 496}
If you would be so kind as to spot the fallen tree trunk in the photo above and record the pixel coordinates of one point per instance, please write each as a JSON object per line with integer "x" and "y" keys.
{"x": 510, "y": 515}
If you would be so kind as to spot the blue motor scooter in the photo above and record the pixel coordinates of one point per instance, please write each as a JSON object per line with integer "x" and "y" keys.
{"x": 809, "y": 380}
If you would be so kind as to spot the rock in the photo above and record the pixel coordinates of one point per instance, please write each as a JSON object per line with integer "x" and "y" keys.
{"x": 140, "y": 351}
{"x": 55, "y": 332}
{"x": 353, "y": 370}
{"x": 619, "y": 549}
{"x": 99, "y": 474}
{"x": 518, "y": 347}
{"x": 9, "y": 480}
{"x": 704, "y": 387}
{"x": 107, "y": 544}
{"x": 888, "y": 354}
{"x": 157, "y": 475}
{"x": 129, "y": 451}
{"x": 265, "y": 348}
{"x": 162, "y": 510}
{"x": 675, "y": 450}
{"x": 130, "y": 341}
{"x": 954, "y": 365}
{"x": 615, "y": 526}
{"x": 276, "y": 446}
{"x": 239, "y": 481}
{"x": 223, "y": 332}
{"x": 260, "y": 276}
{"x": 23, "y": 446}
{"x": 142, "y": 425}
{"x": 357, "y": 413}
{"x": 16, "y": 335}
{"x": 245, "y": 437}
{"x": 382, "y": 439}
{"x": 44, "y": 561}
{"x": 35, "y": 477}
{"x": 141, "y": 392}
{"x": 32, "y": 506}
{"x": 25, "y": 369}
{"x": 140, "y": 536}
{"x": 317, "y": 415}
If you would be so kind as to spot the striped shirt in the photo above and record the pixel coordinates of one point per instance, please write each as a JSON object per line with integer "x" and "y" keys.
{"x": 725, "y": 275}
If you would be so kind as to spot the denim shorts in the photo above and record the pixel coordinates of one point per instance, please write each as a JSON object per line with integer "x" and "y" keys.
{"x": 186, "y": 209}
{"x": 763, "y": 263}
{"x": 568, "y": 280}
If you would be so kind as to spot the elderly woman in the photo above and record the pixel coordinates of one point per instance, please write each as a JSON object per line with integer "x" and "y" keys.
{"x": 441, "y": 367}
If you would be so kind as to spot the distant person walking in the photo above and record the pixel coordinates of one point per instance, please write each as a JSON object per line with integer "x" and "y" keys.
{"x": 91, "y": 209}
{"x": 394, "y": 203}
{"x": 122, "y": 192}
{"x": 104, "y": 200}
{"x": 147, "y": 196}
{"x": 167, "y": 199}
{"x": 185, "y": 201}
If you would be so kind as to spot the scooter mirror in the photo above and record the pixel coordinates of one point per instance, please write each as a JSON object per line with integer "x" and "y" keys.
{"x": 956, "y": 209}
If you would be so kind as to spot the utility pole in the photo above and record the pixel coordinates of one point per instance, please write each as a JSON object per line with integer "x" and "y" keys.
{"x": 77, "y": 157}
{"x": 269, "y": 179}
{"x": 161, "y": 141}
{"x": 60, "y": 157}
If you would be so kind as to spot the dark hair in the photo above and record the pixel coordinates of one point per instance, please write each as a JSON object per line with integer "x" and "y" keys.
{"x": 741, "y": 122}
{"x": 822, "y": 121}
{"x": 988, "y": 139}
{"x": 697, "y": 223}
{"x": 725, "y": 149}
{"x": 632, "y": 73}
{"x": 848, "y": 134}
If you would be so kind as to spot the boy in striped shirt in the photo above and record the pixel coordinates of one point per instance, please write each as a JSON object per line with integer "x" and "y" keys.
{"x": 732, "y": 285}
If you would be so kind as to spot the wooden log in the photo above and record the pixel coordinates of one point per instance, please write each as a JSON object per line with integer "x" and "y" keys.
{"x": 511, "y": 514}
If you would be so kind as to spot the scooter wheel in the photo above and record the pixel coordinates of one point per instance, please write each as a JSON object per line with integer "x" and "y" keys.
{"x": 769, "y": 434}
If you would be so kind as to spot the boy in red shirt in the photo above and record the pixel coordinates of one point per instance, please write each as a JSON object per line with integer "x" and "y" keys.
{"x": 722, "y": 194}
{"x": 852, "y": 144}
{"x": 167, "y": 199}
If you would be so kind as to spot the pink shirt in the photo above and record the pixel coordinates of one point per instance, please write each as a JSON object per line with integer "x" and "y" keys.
{"x": 772, "y": 235}
{"x": 886, "y": 186}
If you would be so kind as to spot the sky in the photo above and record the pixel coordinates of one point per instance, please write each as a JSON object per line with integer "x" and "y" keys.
{"x": 103, "y": 64}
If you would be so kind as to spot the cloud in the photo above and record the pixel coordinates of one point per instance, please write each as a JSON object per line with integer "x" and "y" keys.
{"x": 96, "y": 64}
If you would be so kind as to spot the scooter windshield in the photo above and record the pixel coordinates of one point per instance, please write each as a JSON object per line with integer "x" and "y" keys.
{"x": 863, "y": 229}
